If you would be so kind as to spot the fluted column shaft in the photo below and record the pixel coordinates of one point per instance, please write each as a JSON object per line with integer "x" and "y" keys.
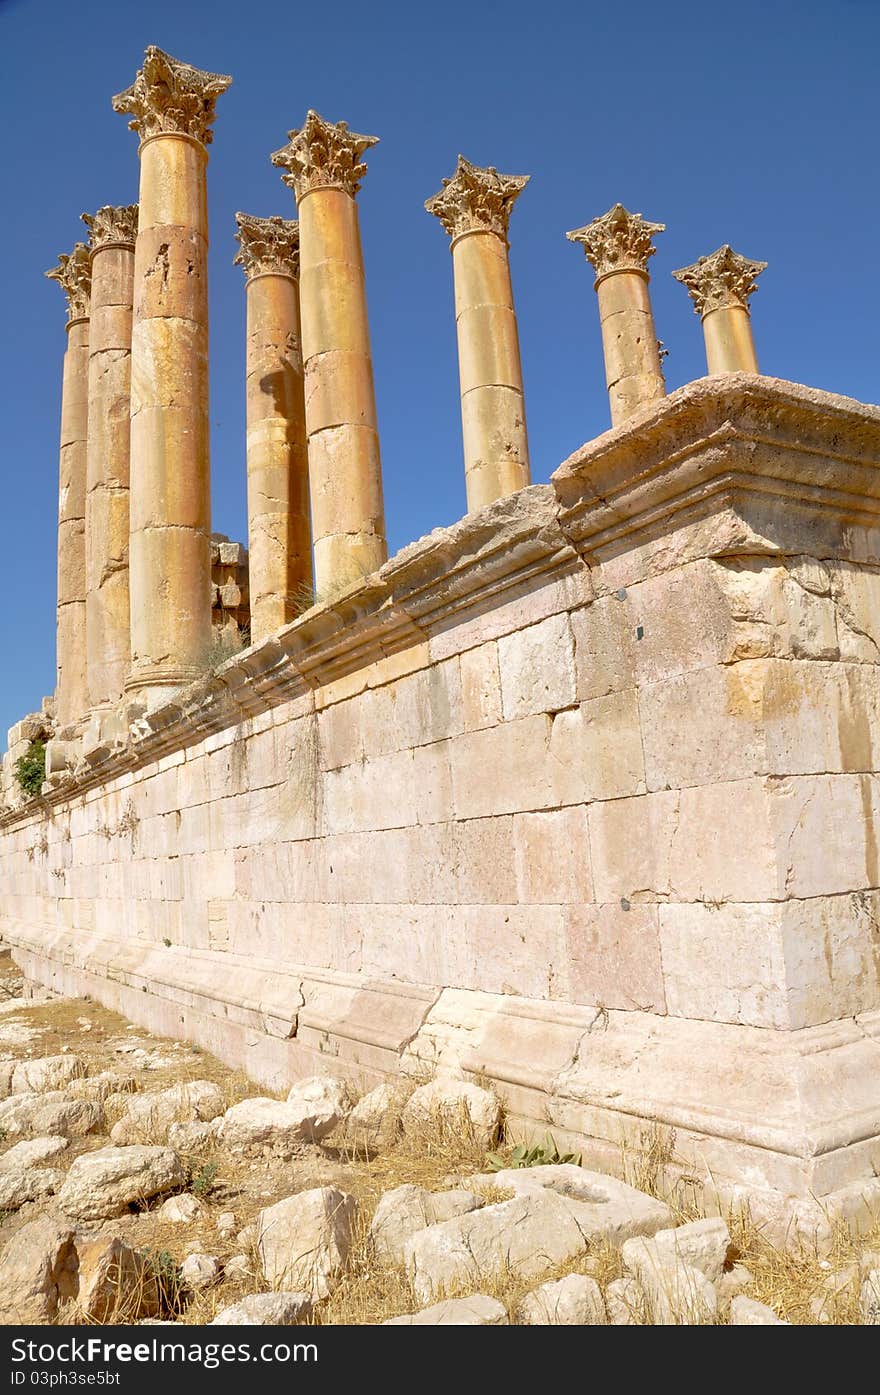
{"x": 108, "y": 644}
{"x": 72, "y": 690}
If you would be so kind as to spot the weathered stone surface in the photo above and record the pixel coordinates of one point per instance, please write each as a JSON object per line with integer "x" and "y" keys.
{"x": 266, "y": 1309}
{"x": 200, "y": 1271}
{"x": 116, "y": 1283}
{"x": 37, "y": 1268}
{"x": 375, "y": 1119}
{"x": 610, "y": 1208}
{"x": 702, "y": 1244}
{"x": 455, "y": 1105}
{"x": 46, "y": 1073}
{"x": 276, "y": 1125}
{"x": 403, "y": 1212}
{"x": 748, "y": 1312}
{"x": 101, "y": 1087}
{"x": 181, "y": 1209}
{"x": 528, "y": 1235}
{"x": 34, "y": 1114}
{"x": 323, "y": 1093}
{"x": 237, "y": 1267}
{"x": 476, "y": 1311}
{"x": 677, "y": 1294}
{"x": 106, "y": 1182}
{"x": 305, "y": 1240}
{"x": 625, "y": 1302}
{"x": 21, "y": 1184}
{"x": 869, "y": 1298}
{"x": 148, "y": 1116}
{"x": 33, "y": 1151}
{"x": 575, "y": 1300}
{"x": 733, "y": 1282}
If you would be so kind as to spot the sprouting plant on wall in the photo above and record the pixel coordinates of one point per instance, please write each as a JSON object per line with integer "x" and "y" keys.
{"x": 30, "y": 769}
{"x": 543, "y": 1154}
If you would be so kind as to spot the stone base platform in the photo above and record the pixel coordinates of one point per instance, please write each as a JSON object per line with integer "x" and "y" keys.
{"x": 793, "y": 1116}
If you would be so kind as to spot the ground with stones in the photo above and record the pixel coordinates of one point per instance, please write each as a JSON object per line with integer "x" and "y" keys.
{"x": 143, "y": 1181}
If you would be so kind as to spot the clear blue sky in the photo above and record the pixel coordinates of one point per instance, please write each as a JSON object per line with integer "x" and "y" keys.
{"x": 754, "y": 124}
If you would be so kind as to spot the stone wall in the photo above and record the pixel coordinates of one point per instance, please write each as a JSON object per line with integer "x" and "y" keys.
{"x": 579, "y": 794}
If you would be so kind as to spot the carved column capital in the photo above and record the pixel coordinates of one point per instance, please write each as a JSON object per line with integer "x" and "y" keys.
{"x": 323, "y": 155}
{"x": 170, "y": 97}
{"x": 722, "y": 279}
{"x": 477, "y": 200}
{"x": 74, "y": 275}
{"x": 618, "y": 241}
{"x": 112, "y": 226}
{"x": 267, "y": 246}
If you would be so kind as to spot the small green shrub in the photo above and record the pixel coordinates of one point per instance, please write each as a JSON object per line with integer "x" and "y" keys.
{"x": 168, "y": 1281}
{"x": 203, "y": 1181}
{"x": 544, "y": 1154}
{"x": 30, "y": 769}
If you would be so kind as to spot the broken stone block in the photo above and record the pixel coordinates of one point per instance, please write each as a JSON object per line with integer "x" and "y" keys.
{"x": 105, "y": 1183}
{"x": 676, "y": 1293}
{"x": 476, "y": 1311}
{"x": 748, "y": 1312}
{"x": 21, "y": 1184}
{"x": 148, "y": 1117}
{"x": 702, "y": 1244}
{"x": 455, "y": 1105}
{"x": 265, "y": 1309}
{"x": 869, "y": 1298}
{"x": 304, "y": 1241}
{"x": 200, "y": 1271}
{"x": 46, "y": 1073}
{"x": 34, "y": 1114}
{"x": 625, "y": 1302}
{"x": 574, "y": 1301}
{"x": 280, "y": 1126}
{"x": 375, "y": 1119}
{"x": 403, "y": 1212}
{"x": 37, "y": 1269}
{"x": 613, "y": 1210}
{"x": 116, "y": 1283}
{"x": 181, "y": 1209}
{"x": 33, "y": 1151}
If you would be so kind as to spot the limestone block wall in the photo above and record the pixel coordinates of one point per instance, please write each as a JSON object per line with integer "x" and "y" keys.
{"x": 581, "y": 794}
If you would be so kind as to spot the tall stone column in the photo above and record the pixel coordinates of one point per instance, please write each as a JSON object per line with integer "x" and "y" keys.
{"x": 172, "y": 108}
{"x": 112, "y": 233}
{"x": 720, "y": 286}
{"x": 618, "y": 246}
{"x": 325, "y": 169}
{"x": 474, "y": 207}
{"x": 279, "y": 536}
{"x": 73, "y": 274}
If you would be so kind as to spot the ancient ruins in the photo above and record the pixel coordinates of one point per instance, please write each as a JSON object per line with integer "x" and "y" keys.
{"x": 578, "y": 797}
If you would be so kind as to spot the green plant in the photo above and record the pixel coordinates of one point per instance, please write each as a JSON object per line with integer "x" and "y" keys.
{"x": 543, "y": 1154}
{"x": 30, "y": 769}
{"x": 203, "y": 1181}
{"x": 3, "y": 1134}
{"x": 166, "y": 1272}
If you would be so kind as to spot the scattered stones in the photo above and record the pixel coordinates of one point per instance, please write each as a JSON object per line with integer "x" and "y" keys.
{"x": 625, "y": 1302}
{"x": 46, "y": 1073}
{"x": 181, "y": 1209}
{"x": 33, "y": 1151}
{"x": 375, "y": 1120}
{"x": 116, "y": 1283}
{"x": 305, "y": 1240}
{"x": 266, "y": 1309}
{"x": 226, "y": 1224}
{"x": 101, "y": 1087}
{"x": 37, "y": 1269}
{"x": 701, "y": 1244}
{"x": 200, "y": 1271}
{"x": 105, "y": 1183}
{"x": 528, "y": 1235}
{"x": 748, "y": 1312}
{"x": 282, "y": 1127}
{"x": 574, "y": 1301}
{"x": 237, "y": 1267}
{"x": 21, "y": 1184}
{"x": 148, "y": 1116}
{"x": 323, "y": 1093}
{"x": 452, "y": 1104}
{"x": 677, "y": 1293}
{"x": 869, "y": 1298}
{"x": 34, "y": 1114}
{"x": 612, "y": 1209}
{"x": 403, "y": 1212}
{"x": 477, "y": 1311}
{"x": 193, "y": 1137}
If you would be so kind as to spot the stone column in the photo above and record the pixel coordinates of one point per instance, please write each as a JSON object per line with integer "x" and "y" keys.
{"x": 279, "y": 536}
{"x": 720, "y": 286}
{"x": 618, "y": 245}
{"x": 108, "y": 648}
{"x": 324, "y": 168}
{"x": 474, "y": 207}
{"x": 73, "y": 273}
{"x": 172, "y": 108}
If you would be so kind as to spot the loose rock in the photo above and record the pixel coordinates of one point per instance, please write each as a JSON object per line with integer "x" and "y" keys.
{"x": 46, "y": 1073}
{"x": 116, "y": 1283}
{"x": 266, "y": 1309}
{"x": 106, "y": 1182}
{"x": 21, "y": 1184}
{"x": 869, "y": 1299}
{"x": 451, "y": 1104}
{"x": 747, "y": 1312}
{"x": 37, "y": 1269}
{"x": 625, "y": 1302}
{"x": 181, "y": 1209}
{"x": 403, "y": 1212}
{"x": 477, "y": 1311}
{"x": 200, "y": 1271}
{"x": 304, "y": 1241}
{"x": 33, "y": 1151}
{"x": 279, "y": 1126}
{"x": 148, "y": 1116}
{"x": 34, "y": 1114}
{"x": 677, "y": 1294}
{"x": 375, "y": 1120}
{"x": 611, "y": 1209}
{"x": 573, "y": 1301}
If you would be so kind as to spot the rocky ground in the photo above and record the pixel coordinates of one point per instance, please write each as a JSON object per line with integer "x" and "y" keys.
{"x": 143, "y": 1181}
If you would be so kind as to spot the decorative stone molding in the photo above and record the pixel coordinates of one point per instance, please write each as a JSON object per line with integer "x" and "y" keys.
{"x": 323, "y": 155}
{"x": 477, "y": 200}
{"x": 267, "y": 246}
{"x": 170, "y": 97}
{"x": 74, "y": 275}
{"x": 112, "y": 226}
{"x": 722, "y": 279}
{"x": 618, "y": 241}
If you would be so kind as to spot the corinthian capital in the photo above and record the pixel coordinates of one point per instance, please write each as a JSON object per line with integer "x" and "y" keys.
{"x": 111, "y": 226}
{"x": 477, "y": 200}
{"x": 323, "y": 155}
{"x": 168, "y": 96}
{"x": 721, "y": 279}
{"x": 618, "y": 241}
{"x": 267, "y": 245}
{"x": 74, "y": 275}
